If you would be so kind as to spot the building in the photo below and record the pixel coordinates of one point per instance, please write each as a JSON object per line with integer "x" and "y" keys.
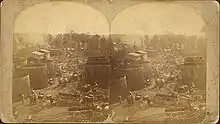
{"x": 133, "y": 57}
{"x": 46, "y": 52}
{"x": 143, "y": 55}
{"x": 38, "y": 55}
{"x": 55, "y": 52}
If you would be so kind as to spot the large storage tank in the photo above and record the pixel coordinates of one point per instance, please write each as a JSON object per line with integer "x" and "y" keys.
{"x": 50, "y": 67}
{"x": 38, "y": 75}
{"x": 98, "y": 70}
{"x": 99, "y": 74}
{"x": 117, "y": 72}
{"x": 194, "y": 70}
{"x": 18, "y": 61}
{"x": 116, "y": 62}
{"x": 118, "y": 87}
{"x": 147, "y": 67}
{"x": 21, "y": 85}
{"x": 135, "y": 77}
{"x": 32, "y": 60}
{"x": 148, "y": 70}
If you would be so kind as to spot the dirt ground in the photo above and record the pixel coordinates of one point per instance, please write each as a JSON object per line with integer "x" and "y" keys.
{"x": 136, "y": 113}
{"x": 39, "y": 112}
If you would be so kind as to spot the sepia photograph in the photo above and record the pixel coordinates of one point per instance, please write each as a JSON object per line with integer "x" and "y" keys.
{"x": 109, "y": 61}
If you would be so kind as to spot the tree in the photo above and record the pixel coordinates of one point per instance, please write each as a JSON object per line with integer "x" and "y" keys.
{"x": 58, "y": 41}
{"x": 201, "y": 46}
{"x": 49, "y": 39}
{"x": 95, "y": 41}
{"x": 66, "y": 39}
{"x": 147, "y": 41}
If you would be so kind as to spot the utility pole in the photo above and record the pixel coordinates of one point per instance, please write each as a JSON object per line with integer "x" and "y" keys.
{"x": 76, "y": 51}
{"x": 109, "y": 57}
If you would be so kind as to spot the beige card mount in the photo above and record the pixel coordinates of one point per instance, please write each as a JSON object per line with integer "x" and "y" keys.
{"x": 112, "y": 61}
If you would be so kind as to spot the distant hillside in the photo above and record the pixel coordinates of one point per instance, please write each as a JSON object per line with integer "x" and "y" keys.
{"x": 25, "y": 43}
{"x": 189, "y": 43}
{"x": 34, "y": 38}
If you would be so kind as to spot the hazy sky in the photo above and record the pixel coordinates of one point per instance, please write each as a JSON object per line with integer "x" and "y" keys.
{"x": 155, "y": 18}
{"x": 59, "y": 17}
{"x": 149, "y": 18}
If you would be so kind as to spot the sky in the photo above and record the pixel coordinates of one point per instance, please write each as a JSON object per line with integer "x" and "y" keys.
{"x": 61, "y": 17}
{"x": 158, "y": 18}
{"x": 148, "y": 18}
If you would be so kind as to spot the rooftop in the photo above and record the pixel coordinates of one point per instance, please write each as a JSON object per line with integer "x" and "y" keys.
{"x": 141, "y": 52}
{"x": 44, "y": 51}
{"x": 134, "y": 55}
{"x": 37, "y": 53}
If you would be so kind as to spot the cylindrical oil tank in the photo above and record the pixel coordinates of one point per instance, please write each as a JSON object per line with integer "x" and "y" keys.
{"x": 117, "y": 72}
{"x": 21, "y": 85}
{"x": 32, "y": 60}
{"x": 99, "y": 74}
{"x": 117, "y": 67}
{"x": 147, "y": 67}
{"x": 38, "y": 75}
{"x": 118, "y": 87}
{"x": 18, "y": 61}
{"x": 148, "y": 70}
{"x": 50, "y": 67}
{"x": 135, "y": 77}
{"x": 115, "y": 62}
{"x": 194, "y": 70}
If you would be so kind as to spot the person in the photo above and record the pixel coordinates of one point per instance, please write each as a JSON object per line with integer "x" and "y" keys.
{"x": 146, "y": 100}
{"x": 147, "y": 82}
{"x": 29, "y": 118}
{"x": 51, "y": 100}
{"x": 130, "y": 98}
{"x": 110, "y": 114}
{"x": 96, "y": 85}
{"x": 22, "y": 98}
{"x": 15, "y": 112}
{"x": 50, "y": 82}
{"x": 107, "y": 109}
{"x": 75, "y": 77}
{"x": 60, "y": 80}
{"x": 30, "y": 99}
{"x": 120, "y": 99}
{"x": 88, "y": 88}
{"x": 126, "y": 119}
{"x": 193, "y": 87}
{"x": 40, "y": 96}
{"x": 142, "y": 105}
{"x": 34, "y": 98}
{"x": 44, "y": 105}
